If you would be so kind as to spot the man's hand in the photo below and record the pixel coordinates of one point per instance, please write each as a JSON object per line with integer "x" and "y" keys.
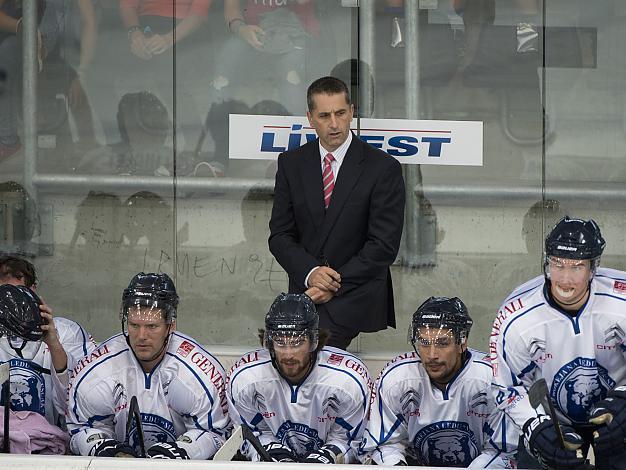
{"x": 113, "y": 448}
{"x": 159, "y": 43}
{"x": 138, "y": 45}
{"x": 610, "y": 417}
{"x": 167, "y": 450}
{"x": 280, "y": 452}
{"x": 319, "y": 296}
{"x": 251, "y": 34}
{"x": 325, "y": 454}
{"x": 325, "y": 278}
{"x": 542, "y": 442}
{"x": 50, "y": 333}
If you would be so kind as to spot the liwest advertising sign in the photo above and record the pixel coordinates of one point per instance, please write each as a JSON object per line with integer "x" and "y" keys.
{"x": 418, "y": 142}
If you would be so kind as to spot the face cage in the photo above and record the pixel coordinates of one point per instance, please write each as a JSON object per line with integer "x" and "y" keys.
{"x": 594, "y": 263}
{"x": 291, "y": 338}
{"x": 149, "y": 310}
{"x": 460, "y": 336}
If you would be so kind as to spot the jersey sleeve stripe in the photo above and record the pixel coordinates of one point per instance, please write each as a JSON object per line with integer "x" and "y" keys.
{"x": 191, "y": 340}
{"x": 602, "y": 294}
{"x": 87, "y": 372}
{"x": 232, "y": 380}
{"x": 194, "y": 374}
{"x": 353, "y": 378}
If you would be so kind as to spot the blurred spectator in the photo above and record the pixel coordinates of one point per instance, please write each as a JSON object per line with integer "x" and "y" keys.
{"x": 11, "y": 62}
{"x": 144, "y": 128}
{"x": 160, "y": 37}
{"x": 64, "y": 68}
{"x": 270, "y": 40}
{"x": 357, "y": 73}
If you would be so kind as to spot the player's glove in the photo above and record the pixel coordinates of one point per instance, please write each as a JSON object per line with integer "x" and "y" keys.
{"x": 113, "y": 448}
{"x": 326, "y": 454}
{"x": 167, "y": 450}
{"x": 610, "y": 417}
{"x": 280, "y": 452}
{"x": 542, "y": 441}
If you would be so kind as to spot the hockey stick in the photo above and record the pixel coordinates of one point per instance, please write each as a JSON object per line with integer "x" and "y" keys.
{"x": 135, "y": 415}
{"x": 230, "y": 448}
{"x": 249, "y": 436}
{"x": 538, "y": 394}
{"x": 5, "y": 380}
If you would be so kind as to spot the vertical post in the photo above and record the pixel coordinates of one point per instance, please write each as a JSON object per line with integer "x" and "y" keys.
{"x": 30, "y": 70}
{"x": 367, "y": 55}
{"x": 412, "y": 173}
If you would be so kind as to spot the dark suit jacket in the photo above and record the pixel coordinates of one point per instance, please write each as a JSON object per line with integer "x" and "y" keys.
{"x": 358, "y": 236}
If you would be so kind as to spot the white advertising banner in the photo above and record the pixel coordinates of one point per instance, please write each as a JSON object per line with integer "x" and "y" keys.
{"x": 410, "y": 141}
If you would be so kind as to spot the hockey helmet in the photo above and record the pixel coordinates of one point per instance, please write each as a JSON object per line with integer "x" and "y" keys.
{"x": 291, "y": 319}
{"x": 441, "y": 313}
{"x": 575, "y": 239}
{"x": 154, "y": 292}
{"x": 19, "y": 313}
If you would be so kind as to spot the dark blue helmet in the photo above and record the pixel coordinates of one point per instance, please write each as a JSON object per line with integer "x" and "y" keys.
{"x": 19, "y": 313}
{"x": 575, "y": 239}
{"x": 444, "y": 313}
{"x": 294, "y": 315}
{"x": 151, "y": 290}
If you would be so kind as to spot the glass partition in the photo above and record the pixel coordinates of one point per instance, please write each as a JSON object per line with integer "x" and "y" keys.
{"x": 129, "y": 167}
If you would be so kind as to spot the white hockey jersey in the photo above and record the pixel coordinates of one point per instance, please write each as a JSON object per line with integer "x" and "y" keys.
{"x": 580, "y": 357}
{"x": 35, "y": 385}
{"x": 183, "y": 399}
{"x": 457, "y": 427}
{"x": 328, "y": 407}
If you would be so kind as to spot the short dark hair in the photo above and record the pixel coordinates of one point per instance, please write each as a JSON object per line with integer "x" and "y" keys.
{"x": 328, "y": 86}
{"x": 19, "y": 268}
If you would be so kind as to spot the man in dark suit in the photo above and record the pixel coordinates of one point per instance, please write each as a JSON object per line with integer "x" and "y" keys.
{"x": 337, "y": 219}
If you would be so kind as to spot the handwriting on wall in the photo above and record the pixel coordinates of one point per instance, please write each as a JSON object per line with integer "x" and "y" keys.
{"x": 259, "y": 270}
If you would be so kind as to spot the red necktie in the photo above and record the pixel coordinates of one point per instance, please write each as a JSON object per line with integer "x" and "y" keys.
{"x": 328, "y": 178}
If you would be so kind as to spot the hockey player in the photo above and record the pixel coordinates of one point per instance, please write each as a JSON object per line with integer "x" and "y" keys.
{"x": 304, "y": 401}
{"x": 39, "y": 348}
{"x": 432, "y": 406}
{"x": 179, "y": 386}
{"x": 566, "y": 327}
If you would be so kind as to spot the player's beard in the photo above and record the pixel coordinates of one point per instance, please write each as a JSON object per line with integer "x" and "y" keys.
{"x": 294, "y": 369}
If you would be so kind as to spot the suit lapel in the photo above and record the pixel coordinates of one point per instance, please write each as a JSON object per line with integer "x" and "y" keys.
{"x": 349, "y": 173}
{"x": 311, "y": 177}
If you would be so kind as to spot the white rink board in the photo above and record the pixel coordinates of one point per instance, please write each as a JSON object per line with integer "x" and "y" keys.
{"x": 57, "y": 462}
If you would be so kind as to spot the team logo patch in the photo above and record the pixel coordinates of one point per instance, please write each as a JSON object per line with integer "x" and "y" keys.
{"x": 185, "y": 348}
{"x": 446, "y": 444}
{"x": 578, "y": 385}
{"x": 155, "y": 429}
{"x": 28, "y": 390}
{"x": 299, "y": 437}
{"x": 619, "y": 287}
{"x": 335, "y": 359}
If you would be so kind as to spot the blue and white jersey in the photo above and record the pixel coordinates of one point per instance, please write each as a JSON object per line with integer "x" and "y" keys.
{"x": 35, "y": 384}
{"x": 328, "y": 407}
{"x": 456, "y": 427}
{"x": 581, "y": 357}
{"x": 183, "y": 399}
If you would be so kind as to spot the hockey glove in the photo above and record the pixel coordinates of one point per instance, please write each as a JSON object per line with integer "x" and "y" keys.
{"x": 113, "y": 448}
{"x": 167, "y": 450}
{"x": 542, "y": 441}
{"x": 280, "y": 452}
{"x": 325, "y": 454}
{"x": 610, "y": 417}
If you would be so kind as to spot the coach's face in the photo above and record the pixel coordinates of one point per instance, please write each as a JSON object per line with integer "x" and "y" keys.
{"x": 331, "y": 117}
